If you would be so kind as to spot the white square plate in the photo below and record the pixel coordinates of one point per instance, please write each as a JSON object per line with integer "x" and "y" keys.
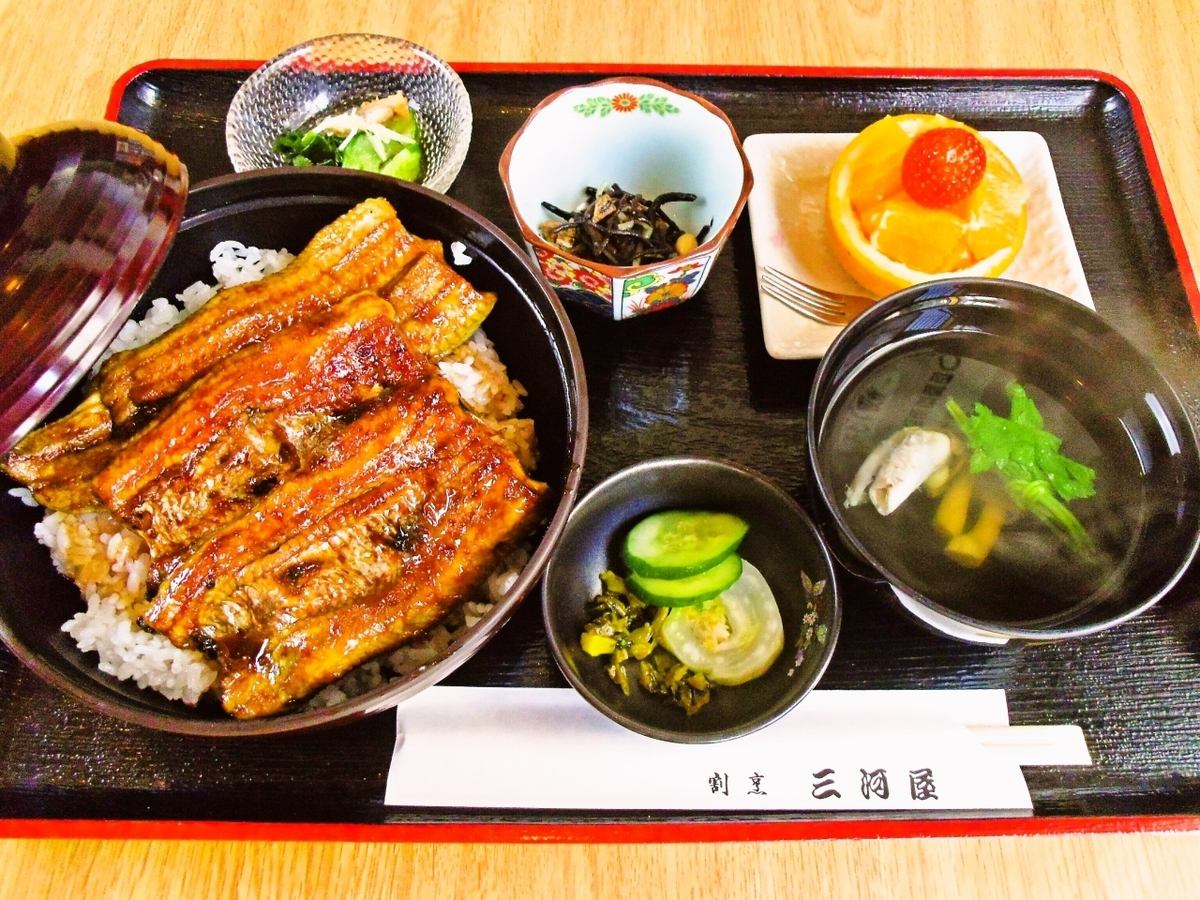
{"x": 787, "y": 224}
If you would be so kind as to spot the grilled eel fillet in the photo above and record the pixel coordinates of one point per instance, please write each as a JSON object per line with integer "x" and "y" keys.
{"x": 365, "y": 249}
{"x": 440, "y": 310}
{"x": 253, "y": 419}
{"x": 58, "y": 461}
{"x": 407, "y": 510}
{"x": 437, "y": 307}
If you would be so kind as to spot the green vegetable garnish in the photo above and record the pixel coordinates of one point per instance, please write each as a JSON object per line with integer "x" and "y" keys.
{"x": 677, "y": 543}
{"x": 625, "y": 630}
{"x": 1040, "y": 479}
{"x": 691, "y": 589}
{"x": 308, "y": 148}
{"x": 398, "y": 159}
{"x": 353, "y": 142}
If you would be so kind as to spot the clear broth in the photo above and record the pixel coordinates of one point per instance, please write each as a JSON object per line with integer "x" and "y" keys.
{"x": 1033, "y": 577}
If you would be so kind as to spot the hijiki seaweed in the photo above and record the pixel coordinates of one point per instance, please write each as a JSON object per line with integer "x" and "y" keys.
{"x": 619, "y": 228}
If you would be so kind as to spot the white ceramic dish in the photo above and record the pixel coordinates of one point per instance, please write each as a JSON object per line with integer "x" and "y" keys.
{"x": 787, "y": 222}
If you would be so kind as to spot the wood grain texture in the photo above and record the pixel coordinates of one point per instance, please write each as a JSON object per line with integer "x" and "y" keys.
{"x": 59, "y": 61}
{"x": 1082, "y": 867}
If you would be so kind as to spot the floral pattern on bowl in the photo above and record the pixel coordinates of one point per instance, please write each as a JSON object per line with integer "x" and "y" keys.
{"x": 649, "y": 138}
{"x": 646, "y": 289}
{"x": 624, "y": 102}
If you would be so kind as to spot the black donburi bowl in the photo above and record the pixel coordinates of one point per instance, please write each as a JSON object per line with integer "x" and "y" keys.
{"x": 284, "y": 208}
{"x": 782, "y": 543}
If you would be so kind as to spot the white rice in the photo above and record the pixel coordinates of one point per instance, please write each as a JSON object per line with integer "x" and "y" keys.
{"x": 482, "y": 379}
{"x": 110, "y": 563}
{"x": 459, "y": 255}
{"x": 23, "y": 494}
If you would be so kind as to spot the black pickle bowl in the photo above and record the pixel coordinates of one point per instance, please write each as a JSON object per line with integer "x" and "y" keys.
{"x": 782, "y": 543}
{"x": 284, "y": 208}
{"x": 967, "y": 339}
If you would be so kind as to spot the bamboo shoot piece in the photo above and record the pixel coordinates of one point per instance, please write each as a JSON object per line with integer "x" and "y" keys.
{"x": 951, "y": 516}
{"x": 972, "y": 548}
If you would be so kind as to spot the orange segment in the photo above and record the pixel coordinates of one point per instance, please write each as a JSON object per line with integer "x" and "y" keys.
{"x": 878, "y": 177}
{"x": 996, "y": 209}
{"x": 886, "y": 241}
{"x": 928, "y": 240}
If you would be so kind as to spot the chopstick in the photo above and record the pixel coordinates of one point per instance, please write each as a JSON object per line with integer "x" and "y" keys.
{"x": 1036, "y": 745}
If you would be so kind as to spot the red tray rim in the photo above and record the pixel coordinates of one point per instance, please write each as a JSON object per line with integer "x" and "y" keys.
{"x": 656, "y": 832}
{"x": 588, "y": 832}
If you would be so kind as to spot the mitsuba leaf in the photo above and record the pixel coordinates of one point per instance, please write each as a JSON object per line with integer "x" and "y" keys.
{"x": 1040, "y": 478}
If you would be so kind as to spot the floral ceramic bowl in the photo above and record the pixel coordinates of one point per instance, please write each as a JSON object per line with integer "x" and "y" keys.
{"x": 649, "y": 138}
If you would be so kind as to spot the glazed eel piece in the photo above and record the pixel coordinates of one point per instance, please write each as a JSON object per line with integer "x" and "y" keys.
{"x": 437, "y": 307}
{"x": 367, "y": 248}
{"x": 58, "y": 461}
{"x": 256, "y": 417}
{"x": 405, "y": 513}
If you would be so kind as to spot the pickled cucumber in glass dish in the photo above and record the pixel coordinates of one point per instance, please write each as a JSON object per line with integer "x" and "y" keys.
{"x": 381, "y": 135}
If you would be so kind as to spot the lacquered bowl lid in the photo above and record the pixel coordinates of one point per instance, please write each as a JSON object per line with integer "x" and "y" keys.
{"x": 87, "y": 215}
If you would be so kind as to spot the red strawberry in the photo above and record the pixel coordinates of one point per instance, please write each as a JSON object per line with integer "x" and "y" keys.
{"x": 942, "y": 166}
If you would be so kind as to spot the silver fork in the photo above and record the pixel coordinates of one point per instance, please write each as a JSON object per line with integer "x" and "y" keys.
{"x": 826, "y": 307}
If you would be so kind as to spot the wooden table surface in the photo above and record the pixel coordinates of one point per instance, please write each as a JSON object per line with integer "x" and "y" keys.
{"x": 59, "y": 60}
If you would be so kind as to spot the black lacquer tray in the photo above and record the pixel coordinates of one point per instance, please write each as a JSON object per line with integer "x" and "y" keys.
{"x": 697, "y": 380}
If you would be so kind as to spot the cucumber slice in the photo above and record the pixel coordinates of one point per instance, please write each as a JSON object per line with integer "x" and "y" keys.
{"x": 678, "y": 543}
{"x": 360, "y": 154}
{"x": 405, "y": 124}
{"x": 692, "y": 589}
{"x": 405, "y": 165}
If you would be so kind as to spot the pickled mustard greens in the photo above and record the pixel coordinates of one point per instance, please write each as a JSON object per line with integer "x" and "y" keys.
{"x": 1040, "y": 479}
{"x": 625, "y": 629}
{"x": 379, "y": 136}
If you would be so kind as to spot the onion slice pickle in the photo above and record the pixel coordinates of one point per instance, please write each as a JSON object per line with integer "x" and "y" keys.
{"x": 731, "y": 639}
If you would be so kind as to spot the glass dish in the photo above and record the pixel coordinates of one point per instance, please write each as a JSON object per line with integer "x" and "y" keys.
{"x": 334, "y": 74}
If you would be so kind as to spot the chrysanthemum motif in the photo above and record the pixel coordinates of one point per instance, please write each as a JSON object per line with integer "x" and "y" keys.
{"x": 624, "y": 103}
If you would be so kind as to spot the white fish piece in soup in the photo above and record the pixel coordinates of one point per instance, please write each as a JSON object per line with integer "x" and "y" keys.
{"x": 856, "y": 493}
{"x": 898, "y": 466}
